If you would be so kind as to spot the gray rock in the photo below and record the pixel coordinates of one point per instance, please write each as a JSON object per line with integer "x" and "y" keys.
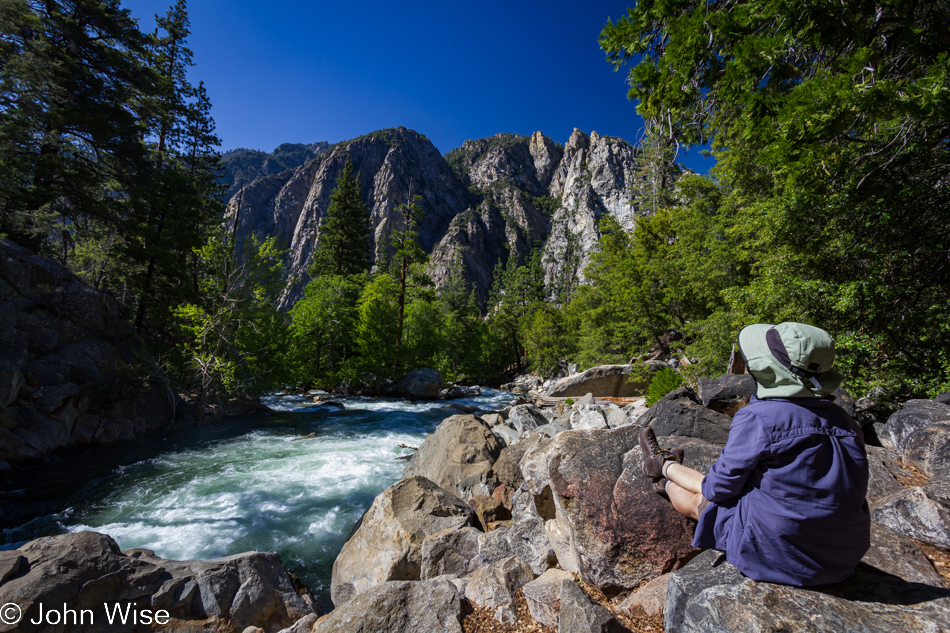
{"x": 928, "y": 449}
{"x": 85, "y": 570}
{"x": 616, "y": 417}
{"x": 492, "y": 419}
{"x": 916, "y": 414}
{"x": 508, "y": 466}
{"x": 590, "y": 418}
{"x": 728, "y": 393}
{"x": 398, "y": 607}
{"x": 894, "y": 553}
{"x": 710, "y": 595}
{"x": 525, "y": 539}
{"x": 12, "y": 360}
{"x": 611, "y": 381}
{"x": 534, "y": 465}
{"x": 881, "y": 466}
{"x": 651, "y": 596}
{"x": 526, "y": 417}
{"x": 943, "y": 398}
{"x": 458, "y": 457}
{"x": 420, "y": 384}
{"x": 505, "y": 434}
{"x": 586, "y": 400}
{"x": 681, "y": 413}
{"x": 11, "y": 563}
{"x": 388, "y": 543}
{"x": 543, "y": 596}
{"x": 451, "y": 552}
{"x": 922, "y": 513}
{"x": 559, "y": 537}
{"x": 456, "y": 391}
{"x": 552, "y": 430}
{"x": 54, "y": 396}
{"x": 580, "y": 614}
{"x": 494, "y": 586}
{"x": 303, "y": 625}
{"x": 876, "y": 434}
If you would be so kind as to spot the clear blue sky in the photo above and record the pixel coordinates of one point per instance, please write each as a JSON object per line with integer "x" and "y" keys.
{"x": 290, "y": 71}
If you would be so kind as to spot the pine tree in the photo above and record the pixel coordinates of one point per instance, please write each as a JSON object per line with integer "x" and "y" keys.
{"x": 408, "y": 252}
{"x": 344, "y": 245}
{"x": 71, "y": 77}
{"x": 176, "y": 199}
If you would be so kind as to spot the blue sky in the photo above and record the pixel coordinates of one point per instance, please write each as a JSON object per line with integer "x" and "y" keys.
{"x": 288, "y": 71}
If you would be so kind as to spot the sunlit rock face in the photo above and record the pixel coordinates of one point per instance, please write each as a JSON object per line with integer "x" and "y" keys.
{"x": 484, "y": 202}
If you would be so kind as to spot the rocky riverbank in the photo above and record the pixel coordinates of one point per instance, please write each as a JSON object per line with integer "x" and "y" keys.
{"x": 532, "y": 503}
{"x": 72, "y": 371}
{"x": 537, "y": 517}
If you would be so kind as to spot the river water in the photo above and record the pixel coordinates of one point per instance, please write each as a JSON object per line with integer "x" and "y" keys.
{"x": 294, "y": 482}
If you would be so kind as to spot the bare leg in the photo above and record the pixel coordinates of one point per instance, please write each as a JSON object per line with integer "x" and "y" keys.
{"x": 684, "y": 501}
{"x": 685, "y": 477}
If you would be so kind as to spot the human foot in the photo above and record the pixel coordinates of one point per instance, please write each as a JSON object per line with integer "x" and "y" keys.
{"x": 654, "y": 455}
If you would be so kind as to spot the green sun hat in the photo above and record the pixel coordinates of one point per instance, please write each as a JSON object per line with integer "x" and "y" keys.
{"x": 790, "y": 360}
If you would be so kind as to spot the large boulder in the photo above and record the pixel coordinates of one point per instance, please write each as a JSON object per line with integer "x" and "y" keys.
{"x": 420, "y": 384}
{"x": 623, "y": 531}
{"x": 893, "y": 553}
{"x": 494, "y": 586}
{"x": 915, "y": 415}
{"x": 710, "y": 595}
{"x": 526, "y": 417}
{"x": 882, "y": 468}
{"x": 728, "y": 393}
{"x": 612, "y": 381}
{"x": 681, "y": 413}
{"x": 922, "y": 513}
{"x": 543, "y": 596}
{"x": 928, "y": 449}
{"x": 579, "y": 614}
{"x": 508, "y": 465}
{"x": 387, "y": 545}
{"x": 433, "y": 606}
{"x": 458, "y": 457}
{"x": 86, "y": 570}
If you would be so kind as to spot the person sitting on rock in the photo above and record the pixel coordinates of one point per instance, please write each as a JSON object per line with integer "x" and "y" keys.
{"x": 786, "y": 501}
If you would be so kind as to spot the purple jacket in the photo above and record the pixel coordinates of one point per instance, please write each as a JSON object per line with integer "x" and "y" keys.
{"x": 788, "y": 493}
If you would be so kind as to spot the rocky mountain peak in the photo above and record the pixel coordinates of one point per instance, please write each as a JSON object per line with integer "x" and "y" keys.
{"x": 491, "y": 199}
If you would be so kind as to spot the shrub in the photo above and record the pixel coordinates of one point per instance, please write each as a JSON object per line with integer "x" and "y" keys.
{"x": 665, "y": 381}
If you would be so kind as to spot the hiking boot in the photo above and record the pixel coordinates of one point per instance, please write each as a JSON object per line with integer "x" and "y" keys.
{"x": 659, "y": 486}
{"x": 654, "y": 455}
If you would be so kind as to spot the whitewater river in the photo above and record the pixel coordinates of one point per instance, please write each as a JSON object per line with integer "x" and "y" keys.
{"x": 294, "y": 482}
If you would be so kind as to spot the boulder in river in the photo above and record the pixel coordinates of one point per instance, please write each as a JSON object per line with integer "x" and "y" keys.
{"x": 387, "y": 545}
{"x": 86, "y": 571}
{"x": 420, "y": 384}
{"x": 458, "y": 457}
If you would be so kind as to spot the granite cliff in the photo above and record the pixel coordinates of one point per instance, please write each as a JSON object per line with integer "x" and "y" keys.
{"x": 483, "y": 202}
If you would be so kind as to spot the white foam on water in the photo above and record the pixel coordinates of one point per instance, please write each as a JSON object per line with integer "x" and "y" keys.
{"x": 271, "y": 488}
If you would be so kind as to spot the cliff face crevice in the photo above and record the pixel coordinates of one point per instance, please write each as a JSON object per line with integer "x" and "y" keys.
{"x": 489, "y": 200}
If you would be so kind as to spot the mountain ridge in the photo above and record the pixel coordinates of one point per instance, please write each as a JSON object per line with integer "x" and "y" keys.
{"x": 484, "y": 202}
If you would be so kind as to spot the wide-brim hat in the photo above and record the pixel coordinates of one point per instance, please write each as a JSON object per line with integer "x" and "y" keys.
{"x": 790, "y": 360}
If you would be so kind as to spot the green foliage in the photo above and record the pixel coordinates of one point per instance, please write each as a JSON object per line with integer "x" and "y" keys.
{"x": 344, "y": 243}
{"x": 233, "y": 342}
{"x": 664, "y": 381}
{"x": 829, "y": 124}
{"x": 324, "y": 328}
